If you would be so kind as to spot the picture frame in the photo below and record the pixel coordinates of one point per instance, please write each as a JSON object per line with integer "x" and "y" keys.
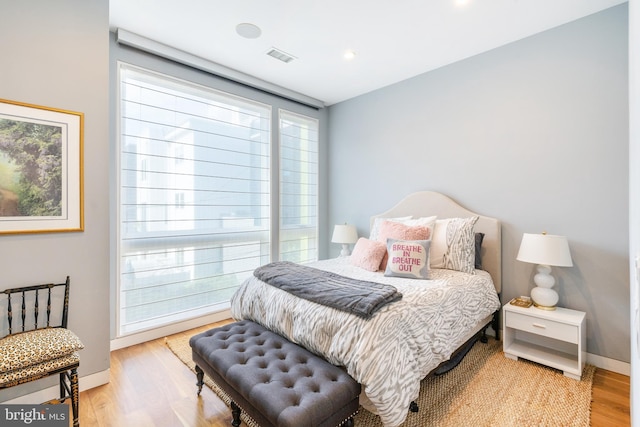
{"x": 41, "y": 169}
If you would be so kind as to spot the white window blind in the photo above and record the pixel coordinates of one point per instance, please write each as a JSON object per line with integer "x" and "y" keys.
{"x": 194, "y": 197}
{"x": 298, "y": 187}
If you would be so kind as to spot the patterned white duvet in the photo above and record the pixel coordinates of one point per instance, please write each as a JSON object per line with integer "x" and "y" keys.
{"x": 393, "y": 351}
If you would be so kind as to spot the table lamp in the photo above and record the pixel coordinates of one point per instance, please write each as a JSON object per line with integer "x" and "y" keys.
{"x": 345, "y": 234}
{"x": 546, "y": 250}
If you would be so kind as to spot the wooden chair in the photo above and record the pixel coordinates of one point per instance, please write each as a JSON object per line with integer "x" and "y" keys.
{"x": 36, "y": 342}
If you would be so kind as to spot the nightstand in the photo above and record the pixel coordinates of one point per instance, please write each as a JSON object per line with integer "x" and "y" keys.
{"x": 553, "y": 338}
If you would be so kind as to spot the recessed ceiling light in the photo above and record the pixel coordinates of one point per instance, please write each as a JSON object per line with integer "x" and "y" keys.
{"x": 248, "y": 31}
{"x": 462, "y": 3}
{"x": 349, "y": 55}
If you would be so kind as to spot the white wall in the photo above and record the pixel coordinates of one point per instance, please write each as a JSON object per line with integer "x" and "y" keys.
{"x": 634, "y": 201}
{"x": 55, "y": 54}
{"x": 534, "y": 133}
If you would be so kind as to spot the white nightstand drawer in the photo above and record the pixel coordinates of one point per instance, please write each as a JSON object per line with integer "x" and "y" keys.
{"x": 543, "y": 327}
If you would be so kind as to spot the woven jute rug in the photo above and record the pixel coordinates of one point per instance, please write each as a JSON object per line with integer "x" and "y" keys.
{"x": 485, "y": 389}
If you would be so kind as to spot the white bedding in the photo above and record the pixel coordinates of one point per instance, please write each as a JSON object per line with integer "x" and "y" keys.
{"x": 393, "y": 351}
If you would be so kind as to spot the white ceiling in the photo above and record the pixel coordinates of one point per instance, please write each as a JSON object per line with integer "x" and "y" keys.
{"x": 393, "y": 40}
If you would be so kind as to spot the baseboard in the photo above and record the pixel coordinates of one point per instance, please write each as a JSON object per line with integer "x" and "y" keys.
{"x": 613, "y": 365}
{"x": 85, "y": 383}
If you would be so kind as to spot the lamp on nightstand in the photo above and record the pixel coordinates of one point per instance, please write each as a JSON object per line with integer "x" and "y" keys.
{"x": 546, "y": 250}
{"x": 345, "y": 234}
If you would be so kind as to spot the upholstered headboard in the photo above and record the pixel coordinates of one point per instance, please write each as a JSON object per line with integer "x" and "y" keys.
{"x": 429, "y": 203}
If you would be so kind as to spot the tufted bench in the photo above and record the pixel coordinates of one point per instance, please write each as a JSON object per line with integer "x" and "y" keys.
{"x": 276, "y": 382}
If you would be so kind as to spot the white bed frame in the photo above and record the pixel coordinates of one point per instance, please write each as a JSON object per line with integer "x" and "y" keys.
{"x": 429, "y": 203}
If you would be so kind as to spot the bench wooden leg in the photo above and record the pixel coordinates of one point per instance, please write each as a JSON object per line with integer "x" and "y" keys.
{"x": 235, "y": 411}
{"x": 200, "y": 376}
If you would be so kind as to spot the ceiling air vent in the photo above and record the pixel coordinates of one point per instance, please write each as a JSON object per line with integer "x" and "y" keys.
{"x": 282, "y": 56}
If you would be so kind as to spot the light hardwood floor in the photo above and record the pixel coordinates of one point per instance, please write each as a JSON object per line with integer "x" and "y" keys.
{"x": 150, "y": 387}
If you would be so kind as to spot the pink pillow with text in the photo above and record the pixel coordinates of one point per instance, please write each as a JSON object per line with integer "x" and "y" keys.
{"x": 408, "y": 258}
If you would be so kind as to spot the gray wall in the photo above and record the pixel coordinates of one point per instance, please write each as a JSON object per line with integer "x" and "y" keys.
{"x": 56, "y": 54}
{"x": 534, "y": 133}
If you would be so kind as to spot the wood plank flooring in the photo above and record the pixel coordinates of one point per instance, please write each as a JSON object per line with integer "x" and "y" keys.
{"x": 150, "y": 387}
{"x": 610, "y": 399}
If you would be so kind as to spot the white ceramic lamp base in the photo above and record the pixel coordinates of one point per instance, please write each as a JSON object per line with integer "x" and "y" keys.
{"x": 345, "y": 250}
{"x": 542, "y": 295}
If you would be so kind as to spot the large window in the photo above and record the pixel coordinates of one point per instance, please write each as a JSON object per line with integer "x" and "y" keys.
{"x": 195, "y": 198}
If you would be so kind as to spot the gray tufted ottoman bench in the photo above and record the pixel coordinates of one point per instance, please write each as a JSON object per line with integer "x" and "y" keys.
{"x": 276, "y": 382}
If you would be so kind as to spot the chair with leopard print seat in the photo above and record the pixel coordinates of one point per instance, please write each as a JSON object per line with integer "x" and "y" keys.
{"x": 36, "y": 342}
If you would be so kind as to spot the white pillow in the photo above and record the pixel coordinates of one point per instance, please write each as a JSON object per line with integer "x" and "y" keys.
{"x": 453, "y": 244}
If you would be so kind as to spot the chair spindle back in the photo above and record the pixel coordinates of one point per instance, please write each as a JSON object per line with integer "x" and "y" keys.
{"x": 24, "y": 295}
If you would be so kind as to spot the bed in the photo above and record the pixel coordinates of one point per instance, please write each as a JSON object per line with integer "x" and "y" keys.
{"x": 404, "y": 341}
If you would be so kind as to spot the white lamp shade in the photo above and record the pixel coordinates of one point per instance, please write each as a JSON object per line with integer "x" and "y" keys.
{"x": 344, "y": 234}
{"x": 545, "y": 249}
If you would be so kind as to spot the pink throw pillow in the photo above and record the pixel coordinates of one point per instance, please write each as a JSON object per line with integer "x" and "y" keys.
{"x": 368, "y": 254}
{"x": 395, "y": 230}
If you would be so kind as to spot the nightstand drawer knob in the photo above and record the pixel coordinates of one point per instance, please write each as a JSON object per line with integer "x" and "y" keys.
{"x": 539, "y": 325}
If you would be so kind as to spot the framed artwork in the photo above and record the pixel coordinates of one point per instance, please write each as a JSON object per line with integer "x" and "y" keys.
{"x": 41, "y": 169}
